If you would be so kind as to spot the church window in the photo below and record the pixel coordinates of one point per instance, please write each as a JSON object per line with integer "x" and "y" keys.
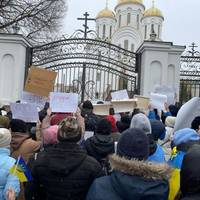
{"x": 104, "y": 31}
{"x": 98, "y": 31}
{"x": 152, "y": 28}
{"x": 110, "y": 31}
{"x": 132, "y": 47}
{"x": 138, "y": 21}
{"x": 145, "y": 32}
{"x": 126, "y": 44}
{"x": 158, "y": 31}
{"x": 120, "y": 19}
{"x": 128, "y": 18}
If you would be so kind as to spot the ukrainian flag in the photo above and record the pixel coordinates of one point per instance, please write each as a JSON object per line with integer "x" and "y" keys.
{"x": 21, "y": 170}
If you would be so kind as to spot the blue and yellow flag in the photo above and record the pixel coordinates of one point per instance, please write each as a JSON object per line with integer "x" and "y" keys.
{"x": 21, "y": 170}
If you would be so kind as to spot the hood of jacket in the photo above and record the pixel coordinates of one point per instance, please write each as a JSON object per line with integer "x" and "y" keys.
{"x": 17, "y": 140}
{"x": 190, "y": 176}
{"x": 100, "y": 146}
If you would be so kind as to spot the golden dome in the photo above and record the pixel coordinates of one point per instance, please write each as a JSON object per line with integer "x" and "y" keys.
{"x": 106, "y": 13}
{"x": 153, "y": 12}
{"x": 121, "y": 2}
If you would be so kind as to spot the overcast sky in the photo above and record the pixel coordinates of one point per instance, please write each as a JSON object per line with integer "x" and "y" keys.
{"x": 181, "y": 25}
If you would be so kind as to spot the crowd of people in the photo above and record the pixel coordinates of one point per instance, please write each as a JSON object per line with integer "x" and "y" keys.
{"x": 134, "y": 155}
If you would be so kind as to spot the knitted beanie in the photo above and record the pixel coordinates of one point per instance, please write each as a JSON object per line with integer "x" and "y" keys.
{"x": 170, "y": 121}
{"x": 5, "y": 138}
{"x": 69, "y": 130}
{"x": 4, "y": 122}
{"x": 104, "y": 127}
{"x": 50, "y": 135}
{"x": 133, "y": 144}
{"x": 158, "y": 129}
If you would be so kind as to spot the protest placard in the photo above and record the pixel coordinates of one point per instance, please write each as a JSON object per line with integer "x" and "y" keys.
{"x": 142, "y": 102}
{"x": 40, "y": 81}
{"x": 158, "y": 101}
{"x": 102, "y": 109}
{"x": 28, "y": 97}
{"x": 121, "y": 106}
{"x": 24, "y": 111}
{"x": 119, "y": 95}
{"x": 63, "y": 102}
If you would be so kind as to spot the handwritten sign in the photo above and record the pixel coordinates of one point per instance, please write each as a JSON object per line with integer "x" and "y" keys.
{"x": 40, "y": 81}
{"x": 142, "y": 102}
{"x": 119, "y": 95}
{"x": 24, "y": 111}
{"x": 63, "y": 102}
{"x": 158, "y": 101}
{"x": 28, "y": 97}
{"x": 121, "y": 106}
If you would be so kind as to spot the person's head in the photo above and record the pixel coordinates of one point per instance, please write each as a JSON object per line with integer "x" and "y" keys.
{"x": 158, "y": 130}
{"x": 87, "y": 105}
{"x": 18, "y": 125}
{"x": 196, "y": 123}
{"x": 50, "y": 135}
{"x": 69, "y": 130}
{"x": 170, "y": 121}
{"x": 133, "y": 144}
{"x": 124, "y": 123}
{"x": 141, "y": 121}
{"x": 173, "y": 110}
{"x": 4, "y": 122}
{"x": 5, "y": 138}
{"x": 189, "y": 175}
{"x": 104, "y": 127}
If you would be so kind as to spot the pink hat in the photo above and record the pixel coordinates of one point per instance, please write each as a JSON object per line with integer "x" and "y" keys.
{"x": 50, "y": 135}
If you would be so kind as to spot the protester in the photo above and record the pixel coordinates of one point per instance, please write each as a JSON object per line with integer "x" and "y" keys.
{"x": 9, "y": 184}
{"x": 65, "y": 170}
{"x": 132, "y": 176}
{"x": 124, "y": 123}
{"x": 101, "y": 144}
{"x": 190, "y": 176}
{"x": 4, "y": 122}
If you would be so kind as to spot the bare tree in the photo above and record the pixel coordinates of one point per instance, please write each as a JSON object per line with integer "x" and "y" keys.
{"x": 39, "y": 20}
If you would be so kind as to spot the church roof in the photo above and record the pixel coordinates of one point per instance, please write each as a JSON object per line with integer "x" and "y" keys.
{"x": 153, "y": 12}
{"x": 106, "y": 13}
{"x": 121, "y": 2}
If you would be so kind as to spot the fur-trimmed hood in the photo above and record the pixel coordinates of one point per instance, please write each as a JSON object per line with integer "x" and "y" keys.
{"x": 148, "y": 170}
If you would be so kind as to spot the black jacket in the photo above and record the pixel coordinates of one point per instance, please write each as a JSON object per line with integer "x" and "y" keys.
{"x": 99, "y": 146}
{"x": 190, "y": 174}
{"x": 65, "y": 171}
{"x": 132, "y": 180}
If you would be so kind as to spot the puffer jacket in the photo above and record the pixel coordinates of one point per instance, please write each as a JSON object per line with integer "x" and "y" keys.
{"x": 130, "y": 180}
{"x": 65, "y": 171}
{"x": 7, "y": 180}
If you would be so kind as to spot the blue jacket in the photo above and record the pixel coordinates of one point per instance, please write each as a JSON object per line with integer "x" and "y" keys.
{"x": 6, "y": 180}
{"x": 158, "y": 156}
{"x": 123, "y": 185}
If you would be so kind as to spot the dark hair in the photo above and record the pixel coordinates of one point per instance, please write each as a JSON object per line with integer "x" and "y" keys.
{"x": 195, "y": 123}
{"x": 87, "y": 105}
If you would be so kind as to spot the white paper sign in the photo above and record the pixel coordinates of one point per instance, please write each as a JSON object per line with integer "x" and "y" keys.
{"x": 187, "y": 113}
{"x": 119, "y": 95}
{"x": 88, "y": 134}
{"x": 63, "y": 102}
{"x": 124, "y": 105}
{"x": 101, "y": 109}
{"x": 24, "y": 111}
{"x": 158, "y": 101}
{"x": 169, "y": 92}
{"x": 28, "y": 97}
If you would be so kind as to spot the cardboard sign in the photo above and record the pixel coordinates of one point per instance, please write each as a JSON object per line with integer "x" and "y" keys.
{"x": 119, "y": 95}
{"x": 63, "y": 102}
{"x": 187, "y": 113}
{"x": 158, "y": 101}
{"x": 40, "y": 81}
{"x": 28, "y": 97}
{"x": 142, "y": 102}
{"x": 25, "y": 111}
{"x": 101, "y": 109}
{"x": 124, "y": 105}
{"x": 169, "y": 92}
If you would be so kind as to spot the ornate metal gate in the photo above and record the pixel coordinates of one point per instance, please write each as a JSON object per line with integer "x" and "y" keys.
{"x": 190, "y": 74}
{"x": 88, "y": 66}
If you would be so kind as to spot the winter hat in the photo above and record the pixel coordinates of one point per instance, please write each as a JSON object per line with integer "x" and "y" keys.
{"x": 195, "y": 123}
{"x": 104, "y": 127}
{"x": 158, "y": 129}
{"x": 124, "y": 123}
{"x": 112, "y": 120}
{"x": 170, "y": 121}
{"x": 5, "y": 138}
{"x": 4, "y": 122}
{"x": 87, "y": 105}
{"x": 69, "y": 130}
{"x": 58, "y": 117}
{"x": 185, "y": 135}
{"x": 133, "y": 144}
{"x": 50, "y": 135}
{"x": 142, "y": 122}
{"x": 18, "y": 125}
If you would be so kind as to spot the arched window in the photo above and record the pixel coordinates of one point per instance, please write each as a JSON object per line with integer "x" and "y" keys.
{"x": 110, "y": 31}
{"x": 152, "y": 28}
{"x": 132, "y": 47}
{"x": 104, "y": 31}
{"x": 138, "y": 21}
{"x": 126, "y": 44}
{"x": 145, "y": 32}
{"x": 120, "y": 19}
{"x": 98, "y": 31}
{"x": 128, "y": 18}
{"x": 159, "y": 31}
